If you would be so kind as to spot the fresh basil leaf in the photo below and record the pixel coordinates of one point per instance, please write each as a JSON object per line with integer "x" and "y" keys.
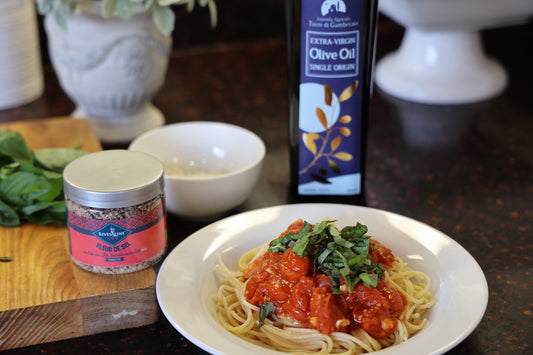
{"x": 277, "y": 249}
{"x": 56, "y": 159}
{"x": 300, "y": 247}
{"x": 324, "y": 254}
{"x": 46, "y": 212}
{"x": 354, "y": 232}
{"x": 358, "y": 260}
{"x": 56, "y": 206}
{"x": 369, "y": 279}
{"x": 8, "y": 216}
{"x": 13, "y": 146}
{"x": 305, "y": 230}
{"x": 320, "y": 227}
{"x": 264, "y": 311}
{"x": 341, "y": 241}
{"x": 287, "y": 241}
{"x": 361, "y": 247}
{"x": 8, "y": 169}
{"x": 23, "y": 188}
{"x": 29, "y": 169}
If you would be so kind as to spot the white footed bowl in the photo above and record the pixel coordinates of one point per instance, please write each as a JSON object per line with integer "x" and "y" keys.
{"x": 441, "y": 58}
{"x": 210, "y": 167}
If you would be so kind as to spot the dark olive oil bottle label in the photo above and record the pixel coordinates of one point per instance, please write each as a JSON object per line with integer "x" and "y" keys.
{"x": 332, "y": 96}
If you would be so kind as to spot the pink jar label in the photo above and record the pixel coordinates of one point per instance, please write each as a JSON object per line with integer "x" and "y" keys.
{"x": 120, "y": 242}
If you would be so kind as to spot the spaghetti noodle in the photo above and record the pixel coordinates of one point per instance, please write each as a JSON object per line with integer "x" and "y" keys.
{"x": 284, "y": 301}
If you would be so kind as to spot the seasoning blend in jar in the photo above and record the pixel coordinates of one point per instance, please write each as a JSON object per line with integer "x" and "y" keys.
{"x": 115, "y": 211}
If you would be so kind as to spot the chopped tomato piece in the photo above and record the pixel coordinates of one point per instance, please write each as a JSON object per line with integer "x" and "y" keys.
{"x": 372, "y": 312}
{"x": 297, "y": 305}
{"x": 293, "y": 267}
{"x": 380, "y": 254}
{"x": 324, "y": 314}
{"x": 396, "y": 299}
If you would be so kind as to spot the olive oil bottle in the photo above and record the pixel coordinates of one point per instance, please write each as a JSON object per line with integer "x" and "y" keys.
{"x": 331, "y": 56}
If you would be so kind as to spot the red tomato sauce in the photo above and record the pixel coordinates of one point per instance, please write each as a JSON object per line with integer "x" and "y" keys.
{"x": 298, "y": 293}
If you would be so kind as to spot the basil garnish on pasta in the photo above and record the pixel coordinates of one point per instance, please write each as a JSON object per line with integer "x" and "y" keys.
{"x": 334, "y": 253}
{"x": 264, "y": 311}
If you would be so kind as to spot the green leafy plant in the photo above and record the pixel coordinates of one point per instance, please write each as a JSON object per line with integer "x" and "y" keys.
{"x": 325, "y": 145}
{"x": 31, "y": 182}
{"x": 162, "y": 14}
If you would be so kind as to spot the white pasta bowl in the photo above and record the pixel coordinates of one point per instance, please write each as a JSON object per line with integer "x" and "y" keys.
{"x": 457, "y": 281}
{"x": 210, "y": 167}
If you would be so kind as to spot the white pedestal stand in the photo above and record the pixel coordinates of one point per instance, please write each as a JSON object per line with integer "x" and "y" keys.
{"x": 440, "y": 67}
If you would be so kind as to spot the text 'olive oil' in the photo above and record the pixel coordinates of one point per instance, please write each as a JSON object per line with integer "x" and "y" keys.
{"x": 331, "y": 55}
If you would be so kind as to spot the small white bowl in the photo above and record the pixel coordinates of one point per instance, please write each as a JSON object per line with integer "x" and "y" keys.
{"x": 210, "y": 167}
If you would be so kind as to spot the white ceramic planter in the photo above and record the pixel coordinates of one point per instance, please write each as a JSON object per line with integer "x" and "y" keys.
{"x": 111, "y": 68}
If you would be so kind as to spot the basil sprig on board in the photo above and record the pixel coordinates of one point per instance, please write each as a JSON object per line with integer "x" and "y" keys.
{"x": 31, "y": 182}
{"x": 335, "y": 253}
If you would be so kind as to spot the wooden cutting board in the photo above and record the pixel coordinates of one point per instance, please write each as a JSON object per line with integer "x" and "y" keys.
{"x": 44, "y": 297}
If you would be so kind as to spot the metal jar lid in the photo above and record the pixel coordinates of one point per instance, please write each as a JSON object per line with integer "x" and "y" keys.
{"x": 113, "y": 179}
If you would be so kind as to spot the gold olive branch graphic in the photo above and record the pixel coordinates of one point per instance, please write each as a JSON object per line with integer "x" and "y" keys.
{"x": 310, "y": 139}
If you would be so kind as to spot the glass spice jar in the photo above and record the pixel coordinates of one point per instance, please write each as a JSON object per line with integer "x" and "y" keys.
{"x": 115, "y": 211}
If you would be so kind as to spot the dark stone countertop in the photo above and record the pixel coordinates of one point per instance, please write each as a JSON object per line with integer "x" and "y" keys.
{"x": 465, "y": 170}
